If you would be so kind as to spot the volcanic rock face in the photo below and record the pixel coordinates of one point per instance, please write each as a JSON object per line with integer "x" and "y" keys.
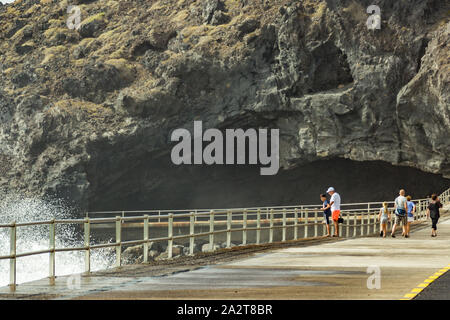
{"x": 87, "y": 114}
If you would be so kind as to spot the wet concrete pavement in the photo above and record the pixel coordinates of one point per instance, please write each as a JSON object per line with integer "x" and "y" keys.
{"x": 331, "y": 270}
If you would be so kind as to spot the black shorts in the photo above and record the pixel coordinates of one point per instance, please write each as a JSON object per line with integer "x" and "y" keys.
{"x": 327, "y": 216}
{"x": 434, "y": 222}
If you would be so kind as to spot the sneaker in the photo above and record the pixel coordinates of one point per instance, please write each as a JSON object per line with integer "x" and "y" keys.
{"x": 393, "y": 236}
{"x": 406, "y": 236}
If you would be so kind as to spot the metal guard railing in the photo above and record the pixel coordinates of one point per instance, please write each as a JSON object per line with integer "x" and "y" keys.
{"x": 300, "y": 216}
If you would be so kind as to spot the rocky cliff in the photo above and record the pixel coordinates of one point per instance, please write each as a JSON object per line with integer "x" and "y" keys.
{"x": 86, "y": 113}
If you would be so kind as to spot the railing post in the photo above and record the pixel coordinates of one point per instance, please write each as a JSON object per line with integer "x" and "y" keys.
{"x": 347, "y": 226}
{"x": 118, "y": 242}
{"x": 12, "y": 259}
{"x": 244, "y": 226}
{"x": 271, "y": 227}
{"x": 87, "y": 253}
{"x": 418, "y": 214}
{"x": 228, "y": 228}
{"x": 373, "y": 219}
{"x": 422, "y": 209}
{"x": 305, "y": 216}
{"x": 362, "y": 223}
{"x": 145, "y": 246}
{"x": 354, "y": 224}
{"x": 258, "y": 226}
{"x": 284, "y": 226}
{"x": 170, "y": 236}
{"x": 211, "y": 230}
{"x": 315, "y": 224}
{"x": 374, "y": 222}
{"x": 295, "y": 224}
{"x": 52, "y": 252}
{"x": 191, "y": 233}
{"x": 364, "y": 219}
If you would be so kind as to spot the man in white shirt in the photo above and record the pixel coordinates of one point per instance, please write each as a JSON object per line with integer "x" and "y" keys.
{"x": 400, "y": 211}
{"x": 335, "y": 203}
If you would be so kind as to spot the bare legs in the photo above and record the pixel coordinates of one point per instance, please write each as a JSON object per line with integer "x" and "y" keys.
{"x": 336, "y": 228}
{"x": 408, "y": 228}
{"x": 393, "y": 229}
{"x": 434, "y": 227}
{"x": 383, "y": 228}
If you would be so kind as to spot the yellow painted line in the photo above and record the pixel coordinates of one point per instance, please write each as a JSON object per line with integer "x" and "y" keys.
{"x": 425, "y": 283}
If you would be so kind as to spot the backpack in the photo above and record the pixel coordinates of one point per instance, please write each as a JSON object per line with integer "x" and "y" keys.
{"x": 399, "y": 211}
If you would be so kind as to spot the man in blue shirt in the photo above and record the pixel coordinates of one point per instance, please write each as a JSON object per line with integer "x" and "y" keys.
{"x": 326, "y": 211}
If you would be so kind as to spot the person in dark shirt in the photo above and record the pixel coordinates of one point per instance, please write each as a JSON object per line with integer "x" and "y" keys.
{"x": 433, "y": 213}
{"x": 326, "y": 211}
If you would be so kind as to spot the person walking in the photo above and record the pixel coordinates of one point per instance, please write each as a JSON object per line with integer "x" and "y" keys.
{"x": 433, "y": 213}
{"x": 400, "y": 211}
{"x": 326, "y": 212}
{"x": 335, "y": 203}
{"x": 410, "y": 218}
{"x": 384, "y": 216}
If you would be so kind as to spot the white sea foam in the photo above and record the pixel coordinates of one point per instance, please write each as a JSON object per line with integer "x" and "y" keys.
{"x": 32, "y": 238}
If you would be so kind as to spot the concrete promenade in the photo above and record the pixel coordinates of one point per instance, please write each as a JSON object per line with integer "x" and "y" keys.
{"x": 330, "y": 270}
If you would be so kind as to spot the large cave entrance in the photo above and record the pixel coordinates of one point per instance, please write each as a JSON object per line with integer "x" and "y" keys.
{"x": 159, "y": 185}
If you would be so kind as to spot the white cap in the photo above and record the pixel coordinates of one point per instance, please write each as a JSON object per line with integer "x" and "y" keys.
{"x": 330, "y": 189}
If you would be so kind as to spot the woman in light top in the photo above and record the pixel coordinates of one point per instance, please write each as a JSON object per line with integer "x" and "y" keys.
{"x": 384, "y": 216}
{"x": 411, "y": 210}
